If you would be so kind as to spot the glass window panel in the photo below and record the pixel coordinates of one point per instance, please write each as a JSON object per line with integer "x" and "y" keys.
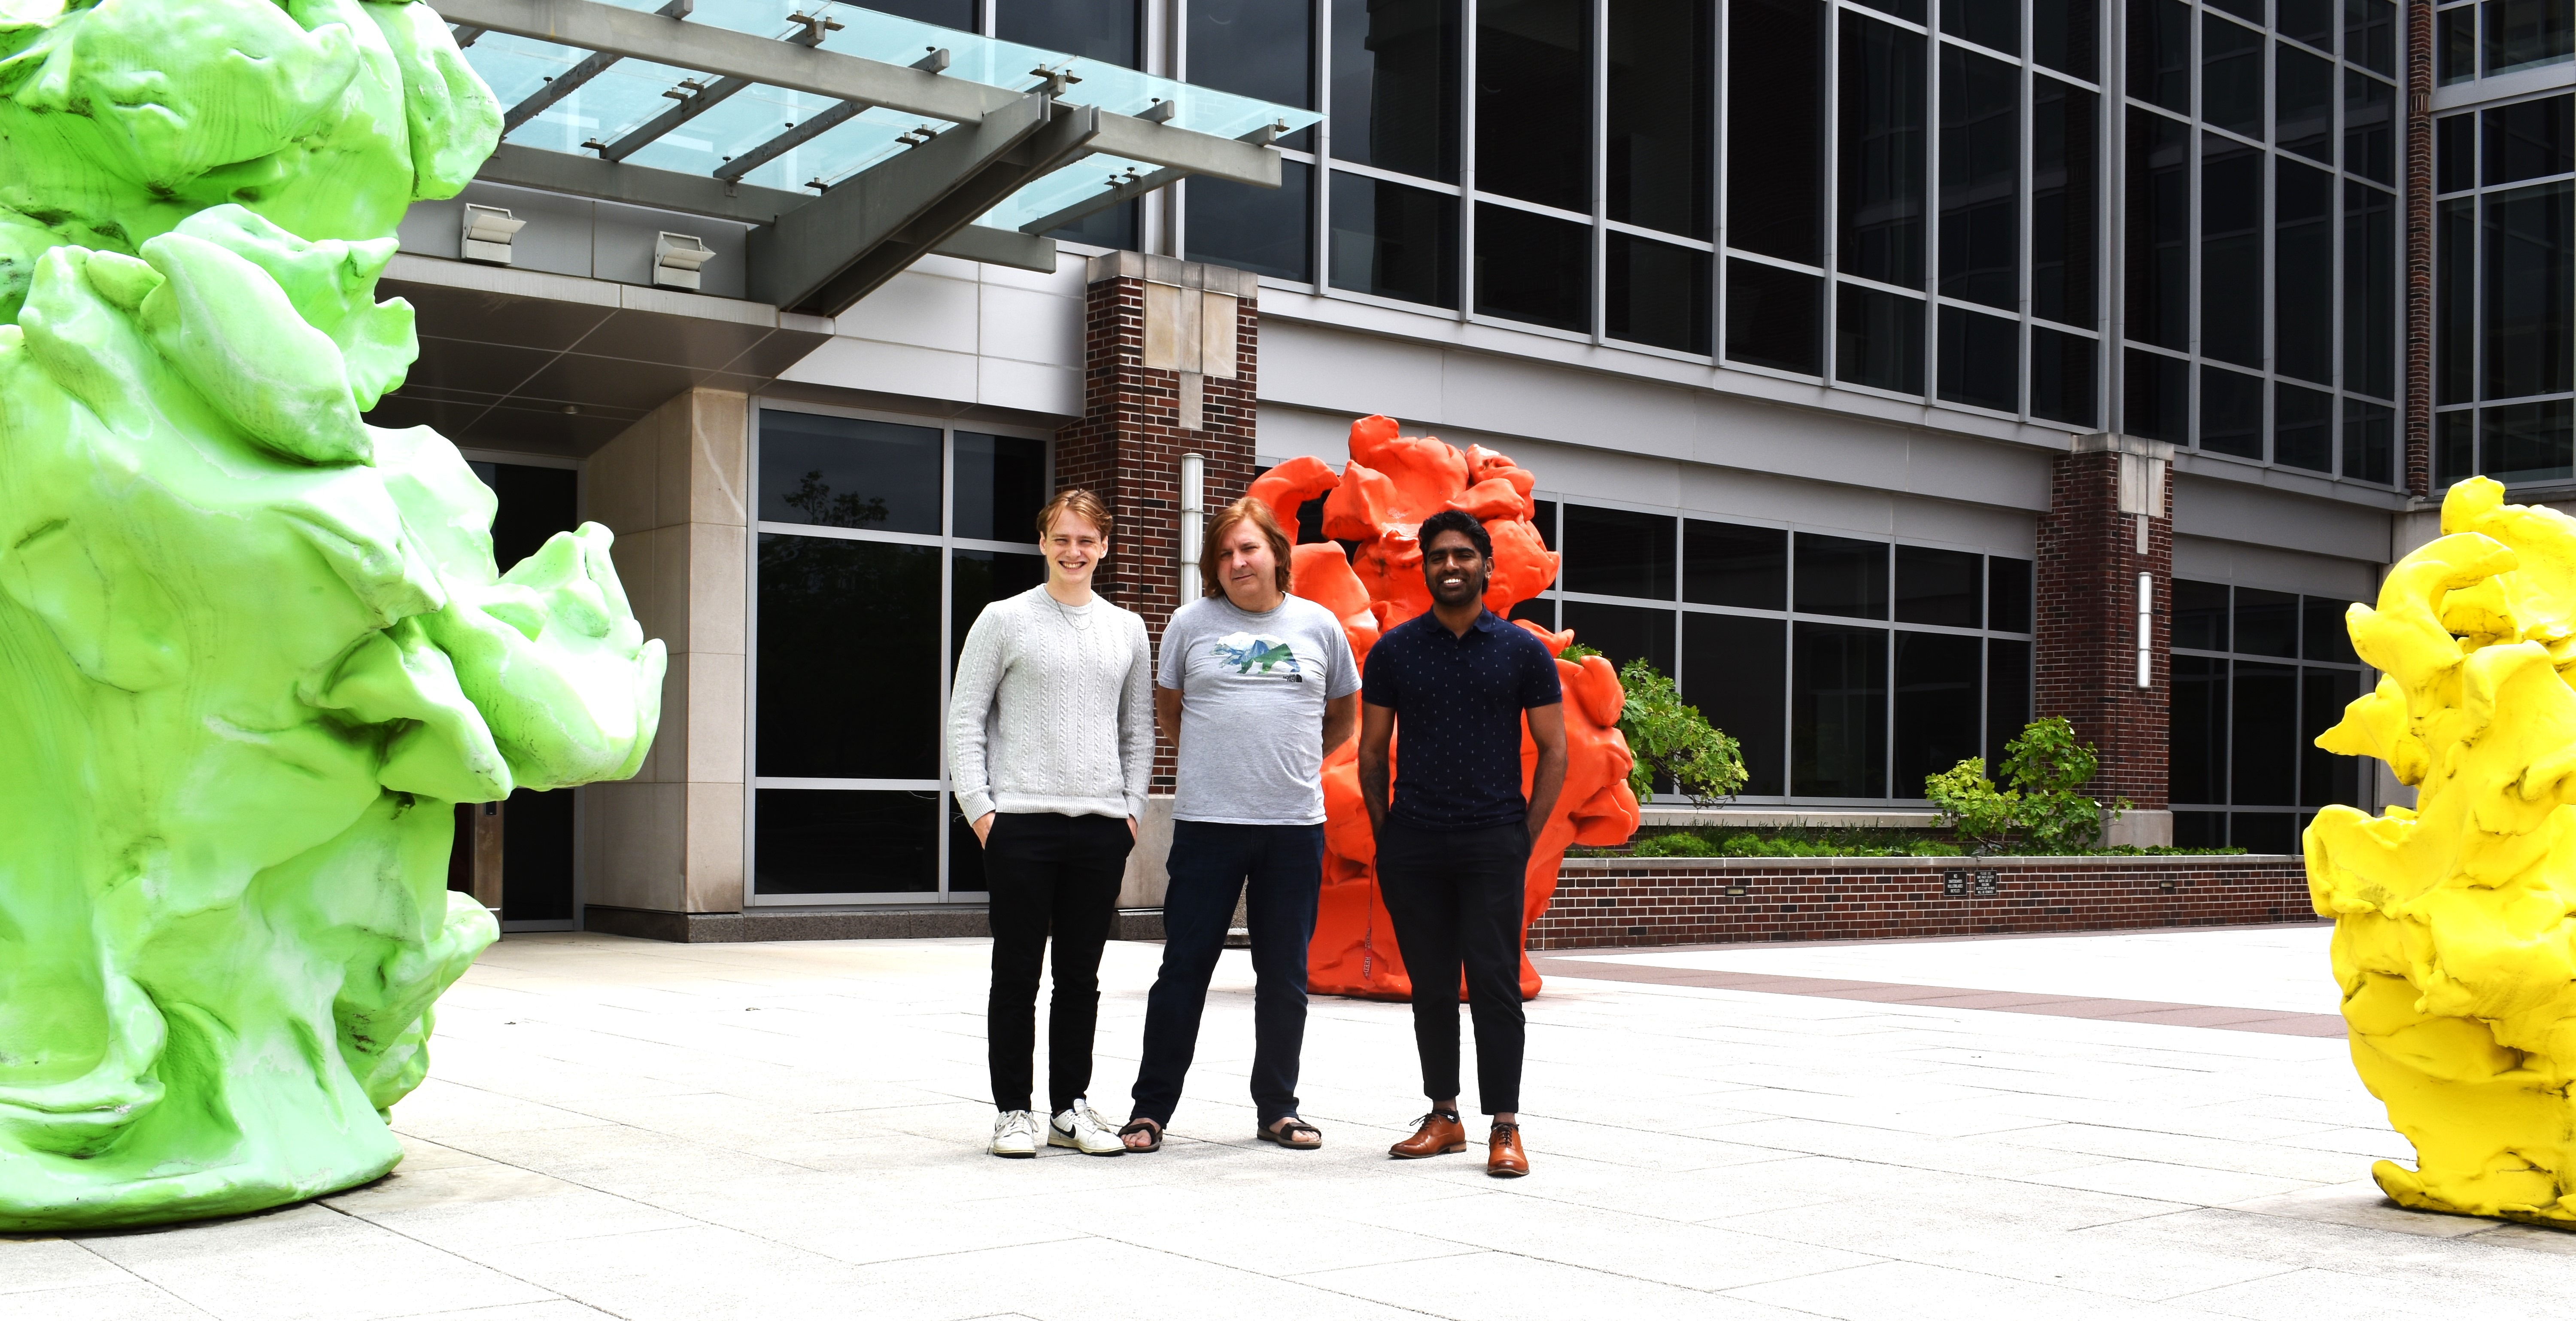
{"x": 1001, "y": 485}
{"x": 2303, "y": 270}
{"x": 978, "y": 578}
{"x": 2455, "y": 447}
{"x": 2231, "y": 413}
{"x": 1882, "y": 153}
{"x": 2063, "y": 37}
{"x": 2302, "y": 427}
{"x": 2455, "y": 301}
{"x": 2160, "y": 53}
{"x": 1103, "y": 30}
{"x": 2159, "y": 225}
{"x": 1776, "y": 118}
{"x": 1113, "y": 228}
{"x": 1534, "y": 268}
{"x": 2231, "y": 255}
{"x": 1534, "y": 101}
{"x": 1937, "y": 726}
{"x": 2156, "y": 399}
{"x": 2197, "y": 745}
{"x": 1263, "y": 49}
{"x": 1394, "y": 241}
{"x": 965, "y": 856}
{"x": 1538, "y": 610}
{"x": 2530, "y": 304}
{"x": 1841, "y": 576}
{"x": 1838, "y": 712}
{"x": 2369, "y": 290}
{"x": 1729, "y": 564}
{"x": 2327, "y": 637}
{"x": 1618, "y": 552}
{"x": 2264, "y": 832}
{"x": 1734, "y": 670}
{"x": 2311, "y": 21}
{"x": 2008, "y": 593}
{"x": 2231, "y": 74}
{"x": 958, "y": 14}
{"x": 1911, "y": 11}
{"x": 2526, "y": 442}
{"x": 2007, "y": 697}
{"x": 1660, "y": 126}
{"x": 2263, "y": 735}
{"x": 845, "y": 841}
{"x": 1396, "y": 88}
{"x": 2303, "y": 103}
{"x": 2369, "y": 127}
{"x": 845, "y": 472}
{"x": 2522, "y": 33}
{"x": 1980, "y": 360}
{"x": 2200, "y": 830}
{"x": 1261, "y": 230}
{"x": 2530, "y": 139}
{"x": 1622, "y": 632}
{"x": 1995, "y": 24}
{"x": 2062, "y": 208}
{"x": 2455, "y": 152}
{"x": 1878, "y": 339}
{"x": 2324, "y": 777}
{"x": 535, "y": 504}
{"x": 2267, "y": 624}
{"x": 537, "y": 856}
{"x": 2370, "y": 35}
{"x": 848, "y": 664}
{"x": 2369, "y": 442}
{"x": 1542, "y": 513}
{"x": 2249, "y": 10}
{"x": 2200, "y": 619}
{"x": 1772, "y": 317}
{"x": 2456, "y": 43}
{"x": 1939, "y": 587}
{"x": 1657, "y": 294}
{"x": 1980, "y": 179}
{"x": 2061, "y": 377}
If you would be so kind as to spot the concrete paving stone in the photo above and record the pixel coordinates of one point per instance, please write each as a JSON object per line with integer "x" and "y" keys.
{"x": 130, "y": 1300}
{"x": 1938, "y": 1293}
{"x": 1493, "y": 1286}
{"x": 1989, "y": 1155}
{"x": 2418, "y": 1263}
{"x": 2139, "y": 1272}
{"x": 442, "y": 1108}
{"x": 306, "y": 1261}
{"x": 1688, "y": 1256}
{"x": 2265, "y": 1158}
{"x": 2360, "y": 1203}
{"x": 2191, "y": 1184}
{"x": 467, "y": 1211}
{"x": 2327, "y": 1295}
{"x": 1103, "y": 1281}
{"x": 554, "y": 1309}
{"x": 704, "y": 1273}
{"x": 30, "y": 1265}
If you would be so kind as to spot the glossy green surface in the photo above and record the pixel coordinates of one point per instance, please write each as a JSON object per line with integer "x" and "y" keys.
{"x": 252, "y": 650}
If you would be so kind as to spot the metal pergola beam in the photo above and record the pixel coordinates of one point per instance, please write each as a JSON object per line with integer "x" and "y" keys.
{"x": 570, "y": 80}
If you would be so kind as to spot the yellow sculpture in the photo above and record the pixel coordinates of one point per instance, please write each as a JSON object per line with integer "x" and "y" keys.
{"x": 2453, "y": 941}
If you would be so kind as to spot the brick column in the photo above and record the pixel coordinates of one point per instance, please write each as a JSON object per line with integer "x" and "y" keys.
{"x": 1157, "y": 385}
{"x": 2417, "y": 404}
{"x": 2100, "y": 494}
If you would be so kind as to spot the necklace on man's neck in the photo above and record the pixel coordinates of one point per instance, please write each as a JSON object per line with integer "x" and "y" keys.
{"x": 1076, "y": 616}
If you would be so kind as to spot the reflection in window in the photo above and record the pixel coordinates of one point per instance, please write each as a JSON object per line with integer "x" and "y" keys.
{"x": 2369, "y": 442}
{"x": 1001, "y": 485}
{"x": 2263, "y": 735}
{"x": 1533, "y": 268}
{"x": 2527, "y": 140}
{"x": 2231, "y": 76}
{"x": 1261, "y": 230}
{"x": 2303, "y": 104}
{"x": 1733, "y": 670}
{"x": 848, "y": 664}
{"x": 1881, "y": 156}
{"x": 2158, "y": 397}
{"x": 1656, "y": 293}
{"x": 2231, "y": 255}
{"x": 2370, "y": 34}
{"x": 1939, "y": 587}
{"x": 1980, "y": 179}
{"x": 1103, "y": 30}
{"x": 1395, "y": 87}
{"x": 978, "y": 578}
{"x": 1621, "y": 632}
{"x": 2303, "y": 272}
{"x": 1775, "y": 125}
{"x": 1618, "y": 552}
{"x": 2530, "y": 292}
{"x": 1659, "y": 123}
{"x": 1727, "y": 564}
{"x": 2007, "y": 697}
{"x": 2369, "y": 290}
{"x": 2008, "y": 592}
{"x": 844, "y": 472}
{"x": 2061, "y": 377}
{"x": 2061, "y": 203}
{"x": 1772, "y": 317}
{"x": 2369, "y": 127}
{"x": 2231, "y": 413}
{"x": 1980, "y": 360}
{"x": 2160, "y": 53}
{"x": 2302, "y": 427}
{"x": 839, "y": 841}
{"x": 2062, "y": 37}
{"x": 1394, "y": 241}
{"x": 2526, "y": 442}
{"x": 2522, "y": 33}
{"x": 1263, "y": 49}
{"x": 1838, "y": 712}
{"x": 1534, "y": 101}
{"x": 1937, "y": 700}
{"x": 2159, "y": 225}
{"x": 1994, "y": 24}
{"x": 2455, "y": 43}
{"x": 1878, "y": 339}
{"x": 1841, "y": 576}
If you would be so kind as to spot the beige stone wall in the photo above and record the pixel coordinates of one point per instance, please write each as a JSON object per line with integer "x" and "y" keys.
{"x": 672, "y": 488}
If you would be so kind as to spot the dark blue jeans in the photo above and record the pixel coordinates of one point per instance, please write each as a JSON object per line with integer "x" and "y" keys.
{"x": 1210, "y": 866}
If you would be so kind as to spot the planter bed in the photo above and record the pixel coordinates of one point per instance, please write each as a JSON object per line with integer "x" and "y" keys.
{"x": 1618, "y": 901}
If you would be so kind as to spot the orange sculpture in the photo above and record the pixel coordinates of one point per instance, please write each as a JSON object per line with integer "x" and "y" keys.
{"x": 1380, "y": 497}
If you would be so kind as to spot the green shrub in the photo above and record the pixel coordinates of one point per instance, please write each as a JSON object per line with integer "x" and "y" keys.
{"x": 1671, "y": 741}
{"x": 2045, "y": 807}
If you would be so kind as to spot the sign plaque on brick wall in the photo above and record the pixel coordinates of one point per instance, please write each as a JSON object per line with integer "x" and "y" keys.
{"x": 1954, "y": 884}
{"x": 1988, "y": 884}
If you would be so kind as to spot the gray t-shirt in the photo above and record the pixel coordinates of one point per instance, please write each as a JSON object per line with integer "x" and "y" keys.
{"x": 1253, "y": 689}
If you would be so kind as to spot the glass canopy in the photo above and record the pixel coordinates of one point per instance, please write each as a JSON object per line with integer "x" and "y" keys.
{"x": 632, "y": 92}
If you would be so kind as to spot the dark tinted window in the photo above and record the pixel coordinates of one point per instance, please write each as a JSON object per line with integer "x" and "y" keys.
{"x": 2369, "y": 290}
{"x": 2007, "y": 697}
{"x": 2267, "y": 623}
{"x": 2303, "y": 103}
{"x": 2158, "y": 403}
{"x": 1394, "y": 241}
{"x": 1980, "y": 179}
{"x": 2197, "y": 771}
{"x": 2369, "y": 127}
{"x": 1622, "y": 633}
{"x": 2370, "y": 34}
{"x": 2456, "y": 43}
{"x": 2062, "y": 183}
{"x": 1838, "y": 712}
{"x": 1257, "y": 48}
{"x": 2231, "y": 76}
{"x": 2303, "y": 322}
{"x": 537, "y": 856}
{"x": 844, "y": 693}
{"x": 1534, "y": 101}
{"x": 2455, "y": 152}
{"x": 2160, "y": 53}
{"x": 2200, "y": 616}
{"x": 1657, "y": 293}
{"x": 2530, "y": 305}
{"x": 2525, "y": 442}
{"x": 2302, "y": 427}
{"x": 2327, "y": 636}
{"x": 1533, "y": 268}
{"x": 839, "y": 841}
{"x": 2455, "y": 301}
{"x": 1937, "y": 696}
{"x": 1878, "y": 339}
{"x": 2231, "y": 255}
{"x": 2369, "y": 436}
{"x": 2061, "y": 377}
{"x": 1775, "y": 118}
{"x": 2529, "y": 140}
{"x": 844, "y": 472}
{"x": 535, "y": 504}
{"x": 1395, "y": 87}
{"x": 2159, "y": 225}
{"x": 1980, "y": 360}
{"x": 1880, "y": 199}
{"x": 1939, "y": 587}
{"x": 2311, "y": 21}
{"x": 2231, "y": 413}
{"x": 958, "y": 14}
{"x": 1001, "y": 485}
{"x": 1991, "y": 23}
{"x": 977, "y": 578}
{"x": 1261, "y": 230}
{"x": 1103, "y": 30}
{"x": 2324, "y": 777}
{"x": 2263, "y": 745}
{"x": 1772, "y": 317}
{"x": 1660, "y": 127}
{"x": 2062, "y": 37}
{"x": 2520, "y": 33}
{"x": 1841, "y": 576}
{"x": 1733, "y": 671}
{"x": 2008, "y": 592}
{"x": 2264, "y": 832}
{"x": 1618, "y": 552}
{"x": 1726, "y": 564}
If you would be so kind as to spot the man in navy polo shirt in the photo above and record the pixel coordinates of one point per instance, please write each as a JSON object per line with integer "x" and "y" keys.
{"x": 1454, "y": 843}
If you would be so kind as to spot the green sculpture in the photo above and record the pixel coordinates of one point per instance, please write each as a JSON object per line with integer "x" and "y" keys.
{"x": 252, "y": 650}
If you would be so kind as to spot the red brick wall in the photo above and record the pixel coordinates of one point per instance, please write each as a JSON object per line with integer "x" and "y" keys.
{"x": 2086, "y": 648}
{"x": 1628, "y": 902}
{"x": 1127, "y": 449}
{"x": 2418, "y": 401}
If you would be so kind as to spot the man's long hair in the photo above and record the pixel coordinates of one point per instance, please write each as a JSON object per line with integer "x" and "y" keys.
{"x": 1245, "y": 510}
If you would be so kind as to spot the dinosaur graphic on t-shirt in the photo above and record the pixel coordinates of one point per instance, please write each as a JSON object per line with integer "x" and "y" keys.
{"x": 1269, "y": 655}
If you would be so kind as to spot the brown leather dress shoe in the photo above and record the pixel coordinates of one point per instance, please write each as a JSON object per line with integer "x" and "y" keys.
{"x": 1440, "y": 1134}
{"x": 1505, "y": 1159}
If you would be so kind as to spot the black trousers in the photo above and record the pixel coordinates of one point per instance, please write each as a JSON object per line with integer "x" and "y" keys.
{"x": 1455, "y": 896}
{"x": 1048, "y": 875}
{"x": 1277, "y": 870}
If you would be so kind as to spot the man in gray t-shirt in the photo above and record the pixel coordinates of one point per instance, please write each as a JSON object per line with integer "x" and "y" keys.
{"x": 1255, "y": 687}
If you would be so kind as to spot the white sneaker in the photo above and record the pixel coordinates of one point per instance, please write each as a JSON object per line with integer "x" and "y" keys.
{"x": 1015, "y": 1133}
{"x": 1082, "y": 1130}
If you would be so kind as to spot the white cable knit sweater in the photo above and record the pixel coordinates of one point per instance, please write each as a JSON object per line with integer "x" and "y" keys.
{"x": 1053, "y": 710}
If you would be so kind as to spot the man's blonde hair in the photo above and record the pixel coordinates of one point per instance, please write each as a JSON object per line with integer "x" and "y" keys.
{"x": 1078, "y": 502}
{"x": 1245, "y": 510}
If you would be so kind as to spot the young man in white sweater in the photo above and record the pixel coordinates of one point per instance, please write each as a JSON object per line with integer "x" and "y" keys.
{"x": 1050, "y": 744}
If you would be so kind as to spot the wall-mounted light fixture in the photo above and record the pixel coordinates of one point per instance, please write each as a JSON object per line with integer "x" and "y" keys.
{"x": 677, "y": 259}
{"x": 488, "y": 231}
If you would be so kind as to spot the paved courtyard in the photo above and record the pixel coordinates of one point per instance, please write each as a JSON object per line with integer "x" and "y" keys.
{"x": 1988, "y": 1128}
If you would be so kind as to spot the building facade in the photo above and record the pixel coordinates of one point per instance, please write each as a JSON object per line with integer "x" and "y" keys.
{"x": 1892, "y": 374}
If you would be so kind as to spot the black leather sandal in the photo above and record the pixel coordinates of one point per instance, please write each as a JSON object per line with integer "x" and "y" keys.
{"x": 1147, "y": 1127}
{"x": 1293, "y": 1133}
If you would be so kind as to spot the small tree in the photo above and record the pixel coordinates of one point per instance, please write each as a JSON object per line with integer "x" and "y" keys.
{"x": 1971, "y": 806}
{"x": 2047, "y": 768}
{"x": 1671, "y": 741}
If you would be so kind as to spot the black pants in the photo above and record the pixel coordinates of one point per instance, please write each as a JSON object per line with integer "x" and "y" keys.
{"x": 1455, "y": 896}
{"x": 1210, "y": 865}
{"x": 1060, "y": 874}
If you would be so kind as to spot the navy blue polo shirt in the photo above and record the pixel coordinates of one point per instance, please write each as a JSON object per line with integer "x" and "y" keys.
{"x": 1457, "y": 703}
